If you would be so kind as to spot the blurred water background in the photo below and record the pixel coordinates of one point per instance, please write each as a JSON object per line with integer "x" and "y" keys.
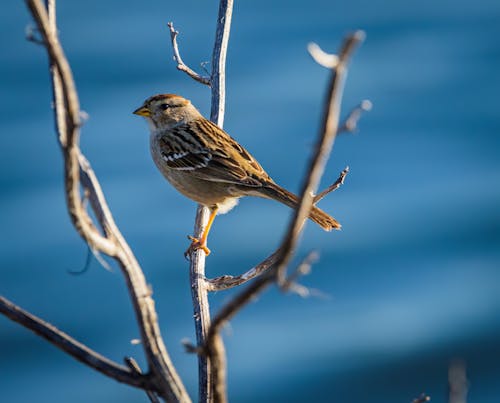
{"x": 412, "y": 279}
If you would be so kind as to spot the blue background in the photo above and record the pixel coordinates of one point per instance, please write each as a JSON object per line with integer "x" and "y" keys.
{"x": 412, "y": 280}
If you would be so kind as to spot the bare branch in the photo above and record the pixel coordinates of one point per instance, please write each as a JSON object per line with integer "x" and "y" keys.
{"x": 226, "y": 282}
{"x": 201, "y": 307}
{"x": 199, "y": 287}
{"x": 323, "y": 148}
{"x": 277, "y": 273}
{"x": 178, "y": 59}
{"x": 79, "y": 173}
{"x": 59, "y": 63}
{"x": 215, "y": 386}
{"x": 72, "y": 347}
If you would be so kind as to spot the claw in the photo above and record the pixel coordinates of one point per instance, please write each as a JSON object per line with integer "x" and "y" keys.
{"x": 195, "y": 245}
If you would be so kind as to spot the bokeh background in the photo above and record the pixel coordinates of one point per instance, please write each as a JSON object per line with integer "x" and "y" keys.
{"x": 409, "y": 284}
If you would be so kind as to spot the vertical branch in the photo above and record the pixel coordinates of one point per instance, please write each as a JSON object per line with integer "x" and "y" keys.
{"x": 199, "y": 287}
{"x": 201, "y": 308}
{"x": 218, "y": 79}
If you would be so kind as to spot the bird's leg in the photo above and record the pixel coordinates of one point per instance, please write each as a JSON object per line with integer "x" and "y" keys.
{"x": 202, "y": 242}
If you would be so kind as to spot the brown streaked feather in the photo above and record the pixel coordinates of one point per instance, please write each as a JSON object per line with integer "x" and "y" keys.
{"x": 210, "y": 158}
{"x": 175, "y": 154}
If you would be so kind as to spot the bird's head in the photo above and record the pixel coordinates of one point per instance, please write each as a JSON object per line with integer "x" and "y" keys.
{"x": 165, "y": 111}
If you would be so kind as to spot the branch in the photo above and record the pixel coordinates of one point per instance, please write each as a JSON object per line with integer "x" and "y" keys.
{"x": 178, "y": 59}
{"x": 209, "y": 387}
{"x": 78, "y": 173}
{"x": 324, "y": 146}
{"x": 199, "y": 287}
{"x": 74, "y": 348}
{"x": 226, "y": 282}
{"x": 79, "y": 216}
{"x": 277, "y": 273}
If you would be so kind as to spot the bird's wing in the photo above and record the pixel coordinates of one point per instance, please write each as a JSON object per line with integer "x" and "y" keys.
{"x": 216, "y": 157}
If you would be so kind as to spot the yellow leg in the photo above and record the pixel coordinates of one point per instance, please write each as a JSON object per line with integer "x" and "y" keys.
{"x": 202, "y": 242}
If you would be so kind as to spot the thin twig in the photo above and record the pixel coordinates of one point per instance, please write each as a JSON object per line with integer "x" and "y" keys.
{"x": 73, "y": 347}
{"x": 334, "y": 186}
{"x": 323, "y": 148}
{"x": 226, "y": 282}
{"x": 178, "y": 59}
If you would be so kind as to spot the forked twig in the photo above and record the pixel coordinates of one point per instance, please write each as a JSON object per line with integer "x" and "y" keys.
{"x": 180, "y": 63}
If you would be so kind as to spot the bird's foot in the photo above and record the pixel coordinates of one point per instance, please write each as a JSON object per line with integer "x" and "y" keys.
{"x": 195, "y": 245}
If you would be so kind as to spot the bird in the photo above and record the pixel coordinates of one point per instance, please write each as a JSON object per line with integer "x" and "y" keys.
{"x": 207, "y": 165}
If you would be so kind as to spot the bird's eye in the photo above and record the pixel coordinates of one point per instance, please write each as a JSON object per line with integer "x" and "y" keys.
{"x": 164, "y": 107}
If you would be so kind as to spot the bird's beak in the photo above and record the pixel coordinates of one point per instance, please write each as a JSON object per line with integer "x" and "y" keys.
{"x": 142, "y": 111}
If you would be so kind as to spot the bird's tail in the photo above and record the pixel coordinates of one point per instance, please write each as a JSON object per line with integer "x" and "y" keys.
{"x": 282, "y": 195}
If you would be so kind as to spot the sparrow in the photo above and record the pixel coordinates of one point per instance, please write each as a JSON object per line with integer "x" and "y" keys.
{"x": 207, "y": 165}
